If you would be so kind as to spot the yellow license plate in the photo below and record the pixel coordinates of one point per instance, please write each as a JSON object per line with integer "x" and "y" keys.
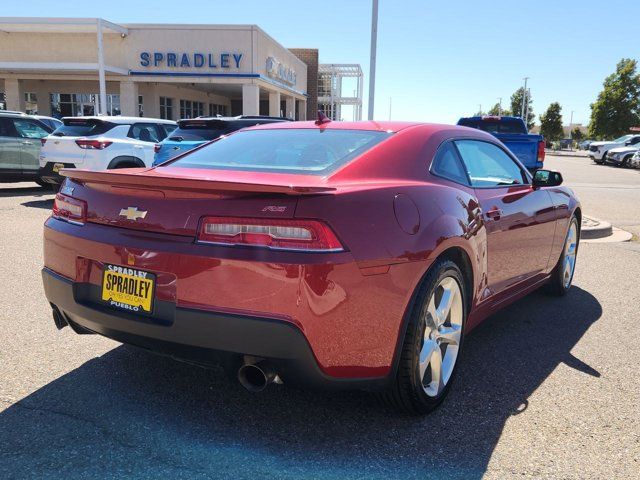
{"x": 128, "y": 289}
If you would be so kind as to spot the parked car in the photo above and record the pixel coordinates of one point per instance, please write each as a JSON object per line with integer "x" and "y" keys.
{"x": 53, "y": 123}
{"x": 621, "y": 155}
{"x": 634, "y": 161}
{"x": 331, "y": 254}
{"x": 194, "y": 132}
{"x": 20, "y": 143}
{"x": 101, "y": 143}
{"x": 598, "y": 150}
{"x": 512, "y": 131}
{"x": 584, "y": 145}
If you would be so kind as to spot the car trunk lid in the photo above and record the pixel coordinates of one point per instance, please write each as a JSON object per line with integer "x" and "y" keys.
{"x": 173, "y": 201}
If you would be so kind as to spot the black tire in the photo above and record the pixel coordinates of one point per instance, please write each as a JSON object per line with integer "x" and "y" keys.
{"x": 406, "y": 393}
{"x": 557, "y": 285}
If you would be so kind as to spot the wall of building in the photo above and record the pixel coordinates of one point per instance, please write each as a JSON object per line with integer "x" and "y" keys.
{"x": 310, "y": 57}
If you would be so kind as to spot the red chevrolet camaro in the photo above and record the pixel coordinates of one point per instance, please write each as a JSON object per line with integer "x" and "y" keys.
{"x": 330, "y": 254}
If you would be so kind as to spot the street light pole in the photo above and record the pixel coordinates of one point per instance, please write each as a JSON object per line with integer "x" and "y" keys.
{"x": 372, "y": 61}
{"x": 524, "y": 98}
{"x": 570, "y": 131}
{"x": 500, "y": 106}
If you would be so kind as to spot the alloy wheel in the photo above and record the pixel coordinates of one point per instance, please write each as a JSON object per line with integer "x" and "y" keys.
{"x": 570, "y": 250}
{"x": 442, "y": 336}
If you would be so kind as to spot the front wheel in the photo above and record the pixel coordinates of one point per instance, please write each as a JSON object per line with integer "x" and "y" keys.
{"x": 562, "y": 275}
{"x": 432, "y": 343}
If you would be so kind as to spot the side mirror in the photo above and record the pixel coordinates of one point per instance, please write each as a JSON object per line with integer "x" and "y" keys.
{"x": 627, "y": 143}
{"x": 546, "y": 178}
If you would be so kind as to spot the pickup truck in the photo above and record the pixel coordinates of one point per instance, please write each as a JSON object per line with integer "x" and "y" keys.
{"x": 511, "y": 131}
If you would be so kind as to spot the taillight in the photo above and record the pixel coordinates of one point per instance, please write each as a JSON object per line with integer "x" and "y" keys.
{"x": 300, "y": 235}
{"x": 541, "y": 145}
{"x": 93, "y": 144}
{"x": 69, "y": 209}
{"x": 43, "y": 140}
{"x": 157, "y": 147}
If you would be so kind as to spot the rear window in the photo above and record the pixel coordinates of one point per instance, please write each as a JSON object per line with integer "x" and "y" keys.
{"x": 494, "y": 125}
{"x": 301, "y": 151}
{"x": 83, "y": 128}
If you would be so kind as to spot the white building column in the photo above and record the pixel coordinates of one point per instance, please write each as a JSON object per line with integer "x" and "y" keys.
{"x": 12, "y": 94}
{"x": 302, "y": 109}
{"x": 290, "y": 103}
{"x": 129, "y": 98}
{"x": 251, "y": 99}
{"x": 274, "y": 104}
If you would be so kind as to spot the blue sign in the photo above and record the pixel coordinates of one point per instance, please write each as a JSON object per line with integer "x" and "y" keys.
{"x": 191, "y": 60}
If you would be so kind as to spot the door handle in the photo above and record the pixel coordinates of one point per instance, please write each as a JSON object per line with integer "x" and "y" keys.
{"x": 494, "y": 213}
{"x": 138, "y": 146}
{"x": 27, "y": 142}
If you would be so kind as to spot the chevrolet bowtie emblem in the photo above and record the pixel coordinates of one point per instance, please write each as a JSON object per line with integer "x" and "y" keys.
{"x": 132, "y": 213}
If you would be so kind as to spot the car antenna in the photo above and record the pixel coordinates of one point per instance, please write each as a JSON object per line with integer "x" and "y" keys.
{"x": 322, "y": 118}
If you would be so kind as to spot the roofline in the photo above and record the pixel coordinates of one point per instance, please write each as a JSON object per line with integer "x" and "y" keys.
{"x": 64, "y": 21}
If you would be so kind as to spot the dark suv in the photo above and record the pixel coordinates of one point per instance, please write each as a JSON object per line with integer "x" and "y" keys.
{"x": 196, "y": 131}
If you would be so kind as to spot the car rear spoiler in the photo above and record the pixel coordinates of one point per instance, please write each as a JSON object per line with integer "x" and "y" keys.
{"x": 132, "y": 178}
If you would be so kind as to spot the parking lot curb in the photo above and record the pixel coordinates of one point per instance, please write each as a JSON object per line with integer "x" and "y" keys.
{"x": 593, "y": 228}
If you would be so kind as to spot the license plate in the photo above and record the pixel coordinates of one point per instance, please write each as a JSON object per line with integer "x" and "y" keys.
{"x": 128, "y": 289}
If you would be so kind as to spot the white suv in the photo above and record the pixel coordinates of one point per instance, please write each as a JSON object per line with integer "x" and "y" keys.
{"x": 100, "y": 143}
{"x": 598, "y": 150}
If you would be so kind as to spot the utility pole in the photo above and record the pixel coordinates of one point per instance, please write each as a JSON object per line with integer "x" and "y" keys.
{"x": 571, "y": 131}
{"x": 524, "y": 98}
{"x": 500, "y": 106}
{"x": 479, "y": 109}
{"x": 372, "y": 61}
{"x": 101, "y": 78}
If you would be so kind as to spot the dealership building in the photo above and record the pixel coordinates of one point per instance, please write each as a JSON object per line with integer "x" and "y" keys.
{"x": 87, "y": 66}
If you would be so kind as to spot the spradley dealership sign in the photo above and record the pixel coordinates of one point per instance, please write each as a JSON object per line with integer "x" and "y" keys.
{"x": 278, "y": 71}
{"x": 191, "y": 60}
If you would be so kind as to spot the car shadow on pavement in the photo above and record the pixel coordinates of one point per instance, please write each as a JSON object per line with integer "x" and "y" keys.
{"x": 35, "y": 191}
{"x": 131, "y": 413}
{"x": 46, "y": 204}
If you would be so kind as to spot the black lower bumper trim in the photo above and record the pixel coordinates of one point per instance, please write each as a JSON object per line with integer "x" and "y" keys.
{"x": 48, "y": 175}
{"x": 202, "y": 337}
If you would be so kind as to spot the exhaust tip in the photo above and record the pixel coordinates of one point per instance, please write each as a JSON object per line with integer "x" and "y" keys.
{"x": 255, "y": 377}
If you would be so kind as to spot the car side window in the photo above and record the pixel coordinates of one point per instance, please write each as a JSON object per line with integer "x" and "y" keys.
{"x": 145, "y": 132}
{"x": 6, "y": 129}
{"x": 166, "y": 129}
{"x": 634, "y": 141}
{"x": 487, "y": 165}
{"x": 447, "y": 164}
{"x": 29, "y": 129}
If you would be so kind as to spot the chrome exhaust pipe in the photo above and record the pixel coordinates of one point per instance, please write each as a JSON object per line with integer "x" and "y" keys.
{"x": 256, "y": 376}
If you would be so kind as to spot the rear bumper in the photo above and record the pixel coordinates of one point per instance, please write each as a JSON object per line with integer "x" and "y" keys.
{"x": 49, "y": 173}
{"x": 198, "y": 336}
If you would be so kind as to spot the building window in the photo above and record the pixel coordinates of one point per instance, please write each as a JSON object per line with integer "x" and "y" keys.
{"x": 30, "y": 103}
{"x": 215, "y": 109}
{"x": 166, "y": 108}
{"x": 79, "y": 104}
{"x": 190, "y": 109}
{"x": 140, "y": 106}
{"x": 3, "y": 103}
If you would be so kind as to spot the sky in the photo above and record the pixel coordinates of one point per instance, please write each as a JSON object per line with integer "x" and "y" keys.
{"x": 437, "y": 61}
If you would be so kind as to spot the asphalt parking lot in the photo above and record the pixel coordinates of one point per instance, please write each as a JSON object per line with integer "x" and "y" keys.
{"x": 548, "y": 388}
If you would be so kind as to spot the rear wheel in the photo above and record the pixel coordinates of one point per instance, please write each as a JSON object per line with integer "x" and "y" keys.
{"x": 432, "y": 343}
{"x": 562, "y": 275}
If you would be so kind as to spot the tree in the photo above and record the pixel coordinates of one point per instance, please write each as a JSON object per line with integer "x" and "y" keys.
{"x": 551, "y": 123}
{"x": 495, "y": 110}
{"x": 576, "y": 134}
{"x": 618, "y": 105}
{"x": 516, "y": 106}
